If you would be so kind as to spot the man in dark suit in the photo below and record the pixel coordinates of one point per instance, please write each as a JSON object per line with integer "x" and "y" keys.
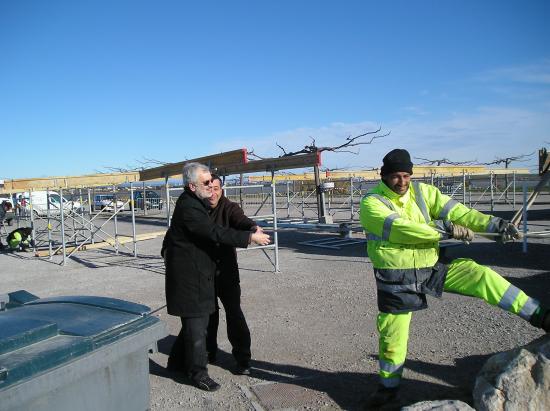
{"x": 189, "y": 251}
{"x": 228, "y": 214}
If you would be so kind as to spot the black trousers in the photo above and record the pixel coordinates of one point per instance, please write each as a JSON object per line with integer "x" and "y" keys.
{"x": 188, "y": 353}
{"x": 229, "y": 293}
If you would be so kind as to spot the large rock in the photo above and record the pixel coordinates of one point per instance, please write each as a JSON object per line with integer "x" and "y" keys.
{"x": 516, "y": 380}
{"x": 444, "y": 405}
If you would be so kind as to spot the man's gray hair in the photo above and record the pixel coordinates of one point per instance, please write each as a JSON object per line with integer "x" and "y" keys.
{"x": 191, "y": 171}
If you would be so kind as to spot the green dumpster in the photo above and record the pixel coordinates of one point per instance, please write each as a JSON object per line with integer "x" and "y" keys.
{"x": 75, "y": 353}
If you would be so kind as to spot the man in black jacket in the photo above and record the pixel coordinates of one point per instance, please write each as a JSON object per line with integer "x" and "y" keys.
{"x": 189, "y": 251}
{"x": 228, "y": 214}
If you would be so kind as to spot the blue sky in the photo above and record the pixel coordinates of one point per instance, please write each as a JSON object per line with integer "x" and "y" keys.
{"x": 90, "y": 85}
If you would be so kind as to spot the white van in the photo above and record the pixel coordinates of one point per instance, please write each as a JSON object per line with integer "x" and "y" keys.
{"x": 39, "y": 203}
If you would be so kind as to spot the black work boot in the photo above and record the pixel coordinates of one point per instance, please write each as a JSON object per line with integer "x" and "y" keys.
{"x": 382, "y": 396}
{"x": 541, "y": 318}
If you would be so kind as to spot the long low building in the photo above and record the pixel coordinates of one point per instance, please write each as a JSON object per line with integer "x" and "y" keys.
{"x": 418, "y": 171}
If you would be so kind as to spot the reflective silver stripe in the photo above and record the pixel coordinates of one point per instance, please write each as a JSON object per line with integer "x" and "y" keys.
{"x": 390, "y": 382}
{"x": 493, "y": 225}
{"x": 529, "y": 308}
{"x": 395, "y": 288}
{"x": 386, "y": 230}
{"x": 508, "y": 298}
{"x": 383, "y": 199}
{"x": 389, "y": 367}
{"x": 420, "y": 201}
{"x": 373, "y": 237}
{"x": 447, "y": 208}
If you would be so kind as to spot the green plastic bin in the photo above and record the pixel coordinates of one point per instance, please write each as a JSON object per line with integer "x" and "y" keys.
{"x": 75, "y": 353}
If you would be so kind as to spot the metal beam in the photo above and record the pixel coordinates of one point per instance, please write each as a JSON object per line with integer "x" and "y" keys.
{"x": 271, "y": 164}
{"x": 26, "y": 184}
{"x": 235, "y": 157}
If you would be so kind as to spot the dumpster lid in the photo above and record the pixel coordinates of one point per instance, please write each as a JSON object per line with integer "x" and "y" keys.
{"x": 38, "y": 334}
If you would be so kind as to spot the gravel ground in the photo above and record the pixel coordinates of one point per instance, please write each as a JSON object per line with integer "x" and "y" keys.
{"x": 314, "y": 339}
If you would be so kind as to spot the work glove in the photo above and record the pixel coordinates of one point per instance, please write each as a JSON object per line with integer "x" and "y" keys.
{"x": 462, "y": 233}
{"x": 459, "y": 232}
{"x": 510, "y": 233}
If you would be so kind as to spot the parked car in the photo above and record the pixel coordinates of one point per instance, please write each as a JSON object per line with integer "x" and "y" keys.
{"x": 40, "y": 201}
{"x": 106, "y": 202}
{"x": 152, "y": 200}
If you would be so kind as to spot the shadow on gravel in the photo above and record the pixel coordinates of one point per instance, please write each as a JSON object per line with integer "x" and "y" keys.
{"x": 291, "y": 240}
{"x": 351, "y": 389}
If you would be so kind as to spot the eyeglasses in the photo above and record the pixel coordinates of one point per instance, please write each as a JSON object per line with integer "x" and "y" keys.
{"x": 206, "y": 183}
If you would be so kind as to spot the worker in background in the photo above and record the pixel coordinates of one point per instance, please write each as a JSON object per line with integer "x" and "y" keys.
{"x": 404, "y": 222}
{"x": 228, "y": 214}
{"x": 5, "y": 207}
{"x": 20, "y": 239}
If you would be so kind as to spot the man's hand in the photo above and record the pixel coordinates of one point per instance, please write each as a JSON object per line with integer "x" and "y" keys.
{"x": 257, "y": 229}
{"x": 461, "y": 233}
{"x": 510, "y": 233}
{"x": 260, "y": 238}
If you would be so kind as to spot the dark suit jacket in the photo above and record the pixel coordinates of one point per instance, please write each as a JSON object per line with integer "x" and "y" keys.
{"x": 229, "y": 214}
{"x": 189, "y": 249}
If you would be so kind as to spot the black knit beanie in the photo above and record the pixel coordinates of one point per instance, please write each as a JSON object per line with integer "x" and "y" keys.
{"x": 397, "y": 160}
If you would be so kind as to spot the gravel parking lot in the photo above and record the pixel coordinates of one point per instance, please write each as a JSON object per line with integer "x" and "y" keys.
{"x": 314, "y": 339}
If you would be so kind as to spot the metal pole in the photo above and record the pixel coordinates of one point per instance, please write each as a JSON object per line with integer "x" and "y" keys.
{"x": 524, "y": 248}
{"x": 73, "y": 220}
{"x": 82, "y": 219}
{"x": 144, "y": 200}
{"x": 241, "y": 179}
{"x": 303, "y": 200}
{"x": 287, "y": 199}
{"x": 318, "y": 192}
{"x": 32, "y": 221}
{"x": 275, "y": 234}
{"x": 90, "y": 217}
{"x": 62, "y": 212}
{"x": 463, "y": 186}
{"x": 351, "y": 197}
{"x": 115, "y": 225}
{"x": 470, "y": 190}
{"x": 134, "y": 221}
{"x": 167, "y": 187}
{"x": 492, "y": 193}
{"x": 49, "y": 226}
{"x": 514, "y": 190}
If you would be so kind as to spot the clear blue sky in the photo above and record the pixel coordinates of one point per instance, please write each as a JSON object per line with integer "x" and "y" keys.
{"x": 90, "y": 85}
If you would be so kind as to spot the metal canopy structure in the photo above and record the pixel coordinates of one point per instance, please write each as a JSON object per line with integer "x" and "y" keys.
{"x": 225, "y": 164}
{"x": 85, "y": 232}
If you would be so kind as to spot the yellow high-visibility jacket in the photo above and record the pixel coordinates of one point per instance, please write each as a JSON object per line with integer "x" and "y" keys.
{"x": 403, "y": 240}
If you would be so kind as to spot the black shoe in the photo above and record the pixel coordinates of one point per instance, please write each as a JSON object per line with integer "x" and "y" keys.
{"x": 382, "y": 396}
{"x": 206, "y": 383}
{"x": 243, "y": 368}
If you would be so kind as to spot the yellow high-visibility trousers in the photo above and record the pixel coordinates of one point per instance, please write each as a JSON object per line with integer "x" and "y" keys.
{"x": 464, "y": 277}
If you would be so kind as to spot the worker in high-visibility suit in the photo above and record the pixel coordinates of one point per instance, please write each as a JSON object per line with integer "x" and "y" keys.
{"x": 404, "y": 223}
{"x": 20, "y": 239}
